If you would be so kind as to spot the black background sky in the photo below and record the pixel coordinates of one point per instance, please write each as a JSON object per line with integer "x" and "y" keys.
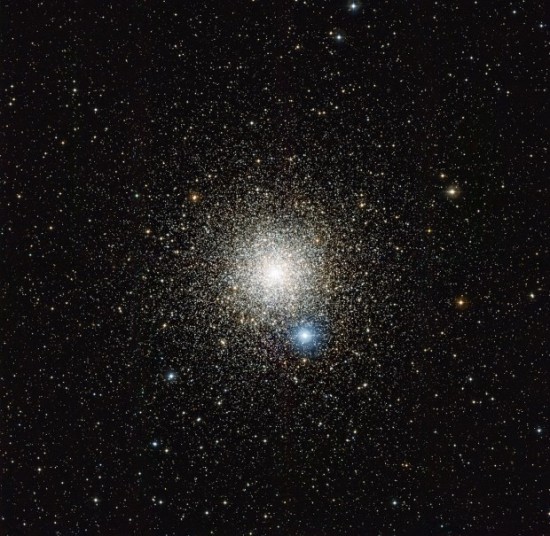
{"x": 398, "y": 148}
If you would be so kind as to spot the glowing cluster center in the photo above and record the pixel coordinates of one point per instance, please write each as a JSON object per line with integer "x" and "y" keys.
{"x": 274, "y": 274}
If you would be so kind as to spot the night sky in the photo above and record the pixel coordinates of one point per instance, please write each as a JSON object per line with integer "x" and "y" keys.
{"x": 274, "y": 268}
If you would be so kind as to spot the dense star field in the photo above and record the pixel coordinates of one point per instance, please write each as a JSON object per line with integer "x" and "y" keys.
{"x": 275, "y": 268}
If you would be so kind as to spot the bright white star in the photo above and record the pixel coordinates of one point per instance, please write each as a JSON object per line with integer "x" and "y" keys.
{"x": 305, "y": 335}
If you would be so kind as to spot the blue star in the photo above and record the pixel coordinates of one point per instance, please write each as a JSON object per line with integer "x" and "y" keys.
{"x": 305, "y": 335}
{"x": 171, "y": 376}
{"x": 308, "y": 337}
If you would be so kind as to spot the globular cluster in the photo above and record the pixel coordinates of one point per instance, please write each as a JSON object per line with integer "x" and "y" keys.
{"x": 275, "y": 268}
